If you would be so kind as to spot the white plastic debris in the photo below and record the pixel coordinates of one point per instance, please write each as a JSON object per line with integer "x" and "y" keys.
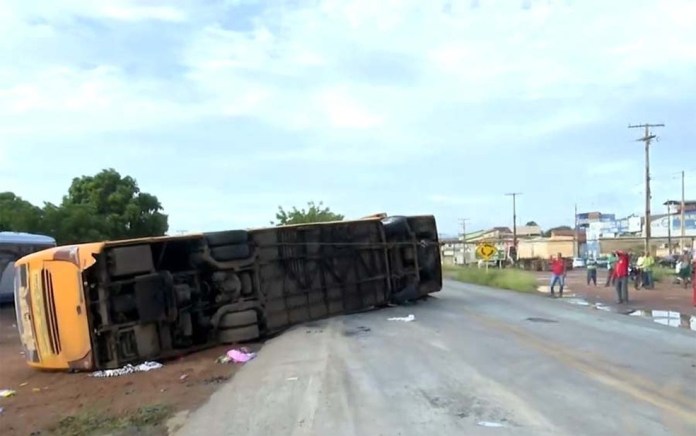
{"x": 490, "y": 424}
{"x": 409, "y": 318}
{"x": 128, "y": 369}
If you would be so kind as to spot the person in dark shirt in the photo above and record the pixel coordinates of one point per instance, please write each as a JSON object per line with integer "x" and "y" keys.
{"x": 591, "y": 271}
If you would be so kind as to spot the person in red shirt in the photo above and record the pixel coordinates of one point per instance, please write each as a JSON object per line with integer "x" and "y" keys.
{"x": 558, "y": 273}
{"x": 621, "y": 275}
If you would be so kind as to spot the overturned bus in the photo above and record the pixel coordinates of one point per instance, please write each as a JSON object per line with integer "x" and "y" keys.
{"x": 106, "y": 304}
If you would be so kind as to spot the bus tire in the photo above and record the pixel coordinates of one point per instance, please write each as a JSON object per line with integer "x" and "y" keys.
{"x": 239, "y": 319}
{"x": 230, "y": 252}
{"x": 395, "y": 226}
{"x": 241, "y": 334}
{"x": 230, "y": 237}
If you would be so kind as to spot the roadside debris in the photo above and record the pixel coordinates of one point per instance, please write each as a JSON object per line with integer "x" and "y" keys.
{"x": 241, "y": 355}
{"x": 4, "y": 393}
{"x": 291, "y": 379}
{"x": 490, "y": 424}
{"x": 128, "y": 369}
{"x": 409, "y": 318}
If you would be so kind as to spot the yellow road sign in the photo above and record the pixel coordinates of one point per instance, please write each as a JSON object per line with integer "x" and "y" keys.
{"x": 486, "y": 251}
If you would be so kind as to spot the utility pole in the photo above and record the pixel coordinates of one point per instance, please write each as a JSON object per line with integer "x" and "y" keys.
{"x": 514, "y": 216}
{"x": 682, "y": 217}
{"x": 647, "y": 138}
{"x": 576, "y": 251}
{"x": 669, "y": 228}
{"x": 463, "y": 221}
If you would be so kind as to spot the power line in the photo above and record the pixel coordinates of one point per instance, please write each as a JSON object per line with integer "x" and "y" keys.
{"x": 647, "y": 139}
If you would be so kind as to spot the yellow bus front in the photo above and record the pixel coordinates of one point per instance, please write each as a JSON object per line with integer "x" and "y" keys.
{"x": 52, "y": 312}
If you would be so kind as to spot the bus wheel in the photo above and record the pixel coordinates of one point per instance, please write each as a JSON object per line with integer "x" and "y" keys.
{"x": 230, "y": 252}
{"x": 238, "y": 319}
{"x": 240, "y": 334}
{"x": 230, "y": 237}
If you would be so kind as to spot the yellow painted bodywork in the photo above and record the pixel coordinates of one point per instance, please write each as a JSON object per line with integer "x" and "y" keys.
{"x": 65, "y": 265}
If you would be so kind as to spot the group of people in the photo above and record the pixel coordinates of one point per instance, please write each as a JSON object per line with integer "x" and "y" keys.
{"x": 620, "y": 273}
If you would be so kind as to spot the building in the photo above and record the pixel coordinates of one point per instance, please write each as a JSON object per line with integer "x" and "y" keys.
{"x": 584, "y": 219}
{"x": 674, "y": 206}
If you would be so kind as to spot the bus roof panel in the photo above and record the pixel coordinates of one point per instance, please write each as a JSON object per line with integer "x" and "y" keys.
{"x": 25, "y": 238}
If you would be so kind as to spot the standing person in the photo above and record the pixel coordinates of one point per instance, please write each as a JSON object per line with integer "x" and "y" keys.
{"x": 558, "y": 272}
{"x": 611, "y": 263}
{"x": 639, "y": 276}
{"x": 591, "y": 271}
{"x": 621, "y": 276}
{"x": 648, "y": 263}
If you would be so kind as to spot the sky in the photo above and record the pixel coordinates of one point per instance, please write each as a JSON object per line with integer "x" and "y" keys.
{"x": 226, "y": 109}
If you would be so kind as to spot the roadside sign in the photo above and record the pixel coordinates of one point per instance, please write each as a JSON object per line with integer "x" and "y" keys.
{"x": 486, "y": 251}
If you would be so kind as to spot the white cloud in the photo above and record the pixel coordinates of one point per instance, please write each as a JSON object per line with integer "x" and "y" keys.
{"x": 122, "y": 10}
{"x": 361, "y": 83}
{"x": 461, "y": 200}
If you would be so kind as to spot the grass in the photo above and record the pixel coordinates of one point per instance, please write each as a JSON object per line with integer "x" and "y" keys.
{"x": 94, "y": 423}
{"x": 507, "y": 278}
{"x": 662, "y": 274}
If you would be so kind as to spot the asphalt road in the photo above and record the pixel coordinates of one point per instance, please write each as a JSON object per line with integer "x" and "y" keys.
{"x": 474, "y": 361}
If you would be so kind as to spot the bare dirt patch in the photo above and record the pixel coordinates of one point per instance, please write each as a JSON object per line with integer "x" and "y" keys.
{"x": 63, "y": 403}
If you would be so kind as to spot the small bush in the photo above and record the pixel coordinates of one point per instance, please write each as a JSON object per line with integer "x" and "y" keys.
{"x": 507, "y": 278}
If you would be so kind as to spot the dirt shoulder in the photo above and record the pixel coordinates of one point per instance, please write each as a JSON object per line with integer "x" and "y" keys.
{"x": 665, "y": 297}
{"x": 57, "y": 402}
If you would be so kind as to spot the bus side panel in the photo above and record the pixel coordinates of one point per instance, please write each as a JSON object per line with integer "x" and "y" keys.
{"x": 310, "y": 272}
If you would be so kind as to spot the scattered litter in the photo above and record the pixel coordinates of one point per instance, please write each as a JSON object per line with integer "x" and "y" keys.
{"x": 241, "y": 355}
{"x": 183, "y": 377}
{"x": 4, "y": 393}
{"x": 1, "y": 410}
{"x": 36, "y": 389}
{"x": 128, "y": 369}
{"x": 291, "y": 379}
{"x": 409, "y": 318}
{"x": 490, "y": 424}
{"x": 23, "y": 384}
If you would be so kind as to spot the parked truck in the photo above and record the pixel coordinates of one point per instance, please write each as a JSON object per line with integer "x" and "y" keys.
{"x": 106, "y": 304}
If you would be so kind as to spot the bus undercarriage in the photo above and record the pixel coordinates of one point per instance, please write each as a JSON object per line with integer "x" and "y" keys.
{"x": 153, "y": 300}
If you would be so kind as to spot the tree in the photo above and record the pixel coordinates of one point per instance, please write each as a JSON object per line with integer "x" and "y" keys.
{"x": 18, "y": 215}
{"x": 111, "y": 206}
{"x": 532, "y": 223}
{"x": 71, "y": 224}
{"x": 315, "y": 213}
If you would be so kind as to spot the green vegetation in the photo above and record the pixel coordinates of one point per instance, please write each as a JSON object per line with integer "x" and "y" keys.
{"x": 507, "y": 278}
{"x": 100, "y": 207}
{"x": 315, "y": 213}
{"x": 93, "y": 423}
{"x": 662, "y": 274}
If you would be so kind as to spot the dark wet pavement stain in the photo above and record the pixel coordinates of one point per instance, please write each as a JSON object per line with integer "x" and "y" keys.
{"x": 668, "y": 318}
{"x": 546, "y": 320}
{"x": 357, "y": 331}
